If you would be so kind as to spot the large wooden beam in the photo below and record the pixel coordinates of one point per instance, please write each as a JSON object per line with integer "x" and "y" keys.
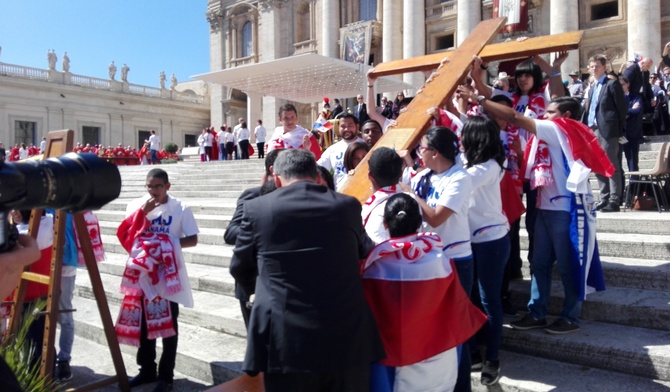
{"x": 494, "y": 52}
{"x": 434, "y": 93}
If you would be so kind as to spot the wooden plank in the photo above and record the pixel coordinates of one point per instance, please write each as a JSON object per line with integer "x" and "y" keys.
{"x": 494, "y": 52}
{"x": 243, "y": 383}
{"x": 434, "y": 93}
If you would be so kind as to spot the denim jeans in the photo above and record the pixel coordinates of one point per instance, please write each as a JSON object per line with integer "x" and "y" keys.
{"x": 154, "y": 157}
{"x": 491, "y": 258}
{"x": 66, "y": 320}
{"x": 222, "y": 152}
{"x": 552, "y": 243}
{"x": 464, "y": 270}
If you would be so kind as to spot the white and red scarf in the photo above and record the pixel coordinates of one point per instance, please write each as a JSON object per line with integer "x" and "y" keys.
{"x": 376, "y": 199}
{"x": 93, "y": 229}
{"x": 151, "y": 269}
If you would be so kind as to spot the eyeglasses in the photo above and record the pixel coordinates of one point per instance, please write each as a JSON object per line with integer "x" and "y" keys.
{"x": 422, "y": 149}
{"x": 157, "y": 186}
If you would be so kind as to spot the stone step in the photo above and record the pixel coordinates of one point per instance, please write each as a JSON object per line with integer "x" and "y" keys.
{"x": 92, "y": 362}
{"x": 207, "y": 278}
{"x": 188, "y": 194}
{"x": 209, "y": 206}
{"x": 624, "y": 349}
{"x": 207, "y": 235}
{"x": 627, "y": 245}
{"x": 203, "y": 354}
{"x": 205, "y": 254}
{"x": 213, "y": 311}
{"x": 624, "y": 306}
{"x": 624, "y": 272}
{"x": 110, "y": 220}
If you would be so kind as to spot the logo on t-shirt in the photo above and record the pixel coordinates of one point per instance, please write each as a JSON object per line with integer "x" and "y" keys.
{"x": 161, "y": 225}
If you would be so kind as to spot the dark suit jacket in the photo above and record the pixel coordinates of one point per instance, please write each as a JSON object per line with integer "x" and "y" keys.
{"x": 309, "y": 312}
{"x": 361, "y": 114}
{"x": 243, "y": 288}
{"x": 611, "y": 111}
{"x": 336, "y": 110}
{"x": 639, "y": 85}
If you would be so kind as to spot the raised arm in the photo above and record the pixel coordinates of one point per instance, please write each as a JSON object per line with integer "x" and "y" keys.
{"x": 478, "y": 68}
{"x": 370, "y": 104}
{"x": 553, "y": 72}
{"x": 502, "y": 111}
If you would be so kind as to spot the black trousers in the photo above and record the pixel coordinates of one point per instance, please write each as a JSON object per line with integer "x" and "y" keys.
{"x": 261, "y": 149}
{"x": 146, "y": 353}
{"x": 356, "y": 379}
{"x": 244, "y": 148}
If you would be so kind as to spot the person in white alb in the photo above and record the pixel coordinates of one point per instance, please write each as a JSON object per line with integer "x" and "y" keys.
{"x": 260, "y": 133}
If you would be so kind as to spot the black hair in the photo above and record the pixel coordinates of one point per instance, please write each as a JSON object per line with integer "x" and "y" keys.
{"x": 244, "y": 124}
{"x": 385, "y": 166}
{"x": 295, "y": 163}
{"x": 326, "y": 176}
{"x": 350, "y": 154}
{"x": 287, "y": 107}
{"x": 351, "y": 116}
{"x": 502, "y": 99}
{"x": 270, "y": 158}
{"x": 25, "y": 215}
{"x": 268, "y": 187}
{"x": 528, "y": 67}
{"x": 406, "y": 101}
{"x": 444, "y": 141}
{"x": 158, "y": 173}
{"x": 565, "y": 104}
{"x": 481, "y": 141}
{"x": 402, "y": 215}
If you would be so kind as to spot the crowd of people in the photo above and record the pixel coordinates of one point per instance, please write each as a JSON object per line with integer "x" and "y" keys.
{"x": 409, "y": 290}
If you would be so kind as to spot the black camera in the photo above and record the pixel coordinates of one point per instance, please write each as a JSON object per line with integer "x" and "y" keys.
{"x": 71, "y": 182}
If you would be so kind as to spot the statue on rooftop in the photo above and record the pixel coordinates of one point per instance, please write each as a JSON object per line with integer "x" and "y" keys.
{"x": 51, "y": 58}
{"x": 161, "y": 79}
{"x": 124, "y": 73}
{"x": 66, "y": 63}
{"x": 112, "y": 71}
{"x": 173, "y": 82}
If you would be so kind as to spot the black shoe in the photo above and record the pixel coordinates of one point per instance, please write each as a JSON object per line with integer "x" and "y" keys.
{"x": 528, "y": 322}
{"x": 508, "y": 308}
{"x": 143, "y": 378}
{"x": 611, "y": 207}
{"x": 602, "y": 204}
{"x": 490, "y": 373}
{"x": 561, "y": 327}
{"x": 63, "y": 370}
{"x": 163, "y": 386}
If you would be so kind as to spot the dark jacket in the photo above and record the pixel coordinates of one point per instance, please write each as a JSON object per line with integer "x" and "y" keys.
{"x": 611, "y": 111}
{"x": 336, "y": 110}
{"x": 309, "y": 313}
{"x": 243, "y": 288}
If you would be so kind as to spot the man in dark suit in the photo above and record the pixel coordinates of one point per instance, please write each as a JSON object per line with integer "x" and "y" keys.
{"x": 638, "y": 75}
{"x": 361, "y": 110}
{"x": 245, "y": 288}
{"x": 311, "y": 328}
{"x": 336, "y": 110}
{"x": 605, "y": 113}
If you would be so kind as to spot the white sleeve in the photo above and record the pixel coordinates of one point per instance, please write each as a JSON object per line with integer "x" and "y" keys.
{"x": 189, "y": 226}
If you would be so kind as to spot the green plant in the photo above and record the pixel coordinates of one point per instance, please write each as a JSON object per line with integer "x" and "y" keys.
{"x": 17, "y": 351}
{"x": 171, "y": 148}
{"x": 169, "y": 160}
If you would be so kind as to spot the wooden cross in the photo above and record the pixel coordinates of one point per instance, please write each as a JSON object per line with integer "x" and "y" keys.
{"x": 412, "y": 124}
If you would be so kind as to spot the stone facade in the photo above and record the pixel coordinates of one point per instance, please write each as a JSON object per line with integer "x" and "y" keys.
{"x": 35, "y": 101}
{"x": 247, "y": 31}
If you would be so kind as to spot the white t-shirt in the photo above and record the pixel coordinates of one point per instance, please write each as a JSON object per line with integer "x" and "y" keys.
{"x": 242, "y": 134}
{"x": 373, "y": 213}
{"x": 555, "y": 196}
{"x": 154, "y": 142}
{"x": 177, "y": 221}
{"x": 451, "y": 189}
{"x": 485, "y": 214}
{"x": 43, "y": 146}
{"x": 23, "y": 153}
{"x": 260, "y": 132}
{"x": 333, "y": 159}
{"x": 221, "y": 135}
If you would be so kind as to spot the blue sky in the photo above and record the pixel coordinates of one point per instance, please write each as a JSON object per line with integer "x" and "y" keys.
{"x": 150, "y": 36}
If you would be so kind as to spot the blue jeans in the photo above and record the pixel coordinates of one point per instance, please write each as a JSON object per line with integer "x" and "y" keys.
{"x": 154, "y": 157}
{"x": 222, "y": 152}
{"x": 464, "y": 270}
{"x": 552, "y": 243}
{"x": 66, "y": 320}
{"x": 491, "y": 258}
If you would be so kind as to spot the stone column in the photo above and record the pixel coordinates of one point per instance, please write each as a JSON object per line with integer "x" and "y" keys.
{"x": 391, "y": 33}
{"x": 564, "y": 17}
{"x": 217, "y": 62}
{"x": 414, "y": 37}
{"x": 644, "y": 29}
{"x": 469, "y": 15}
{"x": 330, "y": 33}
{"x": 254, "y": 112}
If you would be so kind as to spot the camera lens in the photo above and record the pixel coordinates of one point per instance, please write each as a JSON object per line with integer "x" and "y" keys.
{"x": 72, "y": 182}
